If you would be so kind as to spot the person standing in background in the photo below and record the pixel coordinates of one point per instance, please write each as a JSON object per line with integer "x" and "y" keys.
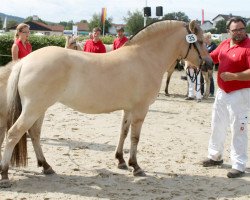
{"x": 121, "y": 38}
{"x": 21, "y": 46}
{"x": 95, "y": 45}
{"x": 210, "y": 47}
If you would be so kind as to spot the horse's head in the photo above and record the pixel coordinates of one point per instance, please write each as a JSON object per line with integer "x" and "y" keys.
{"x": 71, "y": 42}
{"x": 196, "y": 51}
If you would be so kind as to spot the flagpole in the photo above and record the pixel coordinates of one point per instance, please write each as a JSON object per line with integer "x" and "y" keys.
{"x": 103, "y": 28}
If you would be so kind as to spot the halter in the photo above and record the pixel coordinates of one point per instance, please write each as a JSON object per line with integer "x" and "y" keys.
{"x": 190, "y": 46}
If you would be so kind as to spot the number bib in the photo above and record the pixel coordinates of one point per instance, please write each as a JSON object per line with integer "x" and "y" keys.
{"x": 191, "y": 38}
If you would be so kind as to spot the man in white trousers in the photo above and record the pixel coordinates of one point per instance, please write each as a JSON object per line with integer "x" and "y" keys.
{"x": 232, "y": 101}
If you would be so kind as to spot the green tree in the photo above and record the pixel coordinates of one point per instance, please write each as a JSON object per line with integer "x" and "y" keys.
{"x": 1, "y": 23}
{"x": 96, "y": 22}
{"x": 134, "y": 22}
{"x": 11, "y": 23}
{"x": 221, "y": 26}
{"x": 180, "y": 16}
{"x": 30, "y": 18}
{"x": 248, "y": 28}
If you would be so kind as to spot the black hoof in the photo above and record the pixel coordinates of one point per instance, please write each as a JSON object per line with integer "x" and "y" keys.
{"x": 140, "y": 173}
{"x": 48, "y": 171}
{"x": 123, "y": 166}
{"x": 5, "y": 183}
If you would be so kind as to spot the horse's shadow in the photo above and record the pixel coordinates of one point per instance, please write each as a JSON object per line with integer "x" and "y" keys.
{"x": 110, "y": 185}
{"x": 79, "y": 144}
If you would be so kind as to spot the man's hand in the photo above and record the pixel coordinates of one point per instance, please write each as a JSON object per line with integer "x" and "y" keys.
{"x": 228, "y": 76}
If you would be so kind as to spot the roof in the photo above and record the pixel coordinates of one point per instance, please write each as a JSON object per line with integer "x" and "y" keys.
{"x": 40, "y": 26}
{"x": 227, "y": 17}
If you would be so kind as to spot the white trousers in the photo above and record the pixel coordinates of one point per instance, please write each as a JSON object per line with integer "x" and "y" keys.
{"x": 191, "y": 84}
{"x": 230, "y": 109}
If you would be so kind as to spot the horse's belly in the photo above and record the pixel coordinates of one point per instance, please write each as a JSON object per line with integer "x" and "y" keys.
{"x": 93, "y": 106}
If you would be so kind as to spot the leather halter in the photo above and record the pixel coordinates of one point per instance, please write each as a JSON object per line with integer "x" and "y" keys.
{"x": 190, "y": 46}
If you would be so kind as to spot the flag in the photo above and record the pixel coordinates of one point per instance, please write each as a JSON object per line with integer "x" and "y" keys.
{"x": 202, "y": 16}
{"x": 103, "y": 16}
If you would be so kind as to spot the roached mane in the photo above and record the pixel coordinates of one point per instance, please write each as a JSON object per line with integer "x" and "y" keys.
{"x": 158, "y": 27}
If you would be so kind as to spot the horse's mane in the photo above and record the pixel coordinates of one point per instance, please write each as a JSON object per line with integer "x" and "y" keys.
{"x": 5, "y": 71}
{"x": 163, "y": 25}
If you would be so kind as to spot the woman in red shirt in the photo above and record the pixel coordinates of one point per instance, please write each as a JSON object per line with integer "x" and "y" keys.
{"x": 21, "y": 46}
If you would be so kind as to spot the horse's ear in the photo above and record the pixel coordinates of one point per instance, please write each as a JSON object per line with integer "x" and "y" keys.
{"x": 193, "y": 27}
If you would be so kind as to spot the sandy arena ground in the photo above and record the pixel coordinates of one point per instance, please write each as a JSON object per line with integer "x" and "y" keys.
{"x": 81, "y": 149}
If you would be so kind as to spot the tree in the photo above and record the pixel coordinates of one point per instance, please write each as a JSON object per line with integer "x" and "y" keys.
{"x": 96, "y": 22}
{"x": 221, "y": 26}
{"x": 180, "y": 16}
{"x": 134, "y": 21}
{"x": 248, "y": 28}
{"x": 1, "y": 23}
{"x": 11, "y": 23}
{"x": 30, "y": 18}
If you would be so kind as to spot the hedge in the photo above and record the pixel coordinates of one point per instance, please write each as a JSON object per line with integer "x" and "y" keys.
{"x": 37, "y": 42}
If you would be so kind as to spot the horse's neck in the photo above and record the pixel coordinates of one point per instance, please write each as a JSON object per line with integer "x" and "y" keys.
{"x": 166, "y": 51}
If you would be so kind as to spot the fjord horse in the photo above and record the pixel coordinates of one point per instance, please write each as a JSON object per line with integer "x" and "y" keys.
{"x": 127, "y": 79}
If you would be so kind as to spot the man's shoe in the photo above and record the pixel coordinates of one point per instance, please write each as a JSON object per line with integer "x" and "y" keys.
{"x": 209, "y": 162}
{"x": 234, "y": 173}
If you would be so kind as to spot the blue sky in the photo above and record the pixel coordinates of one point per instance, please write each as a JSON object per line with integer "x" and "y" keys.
{"x": 76, "y": 10}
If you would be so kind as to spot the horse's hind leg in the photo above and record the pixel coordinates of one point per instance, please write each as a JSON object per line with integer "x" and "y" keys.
{"x": 22, "y": 125}
{"x": 170, "y": 72}
{"x": 138, "y": 117}
{"x": 124, "y": 132}
{"x": 35, "y": 132}
{"x": 207, "y": 82}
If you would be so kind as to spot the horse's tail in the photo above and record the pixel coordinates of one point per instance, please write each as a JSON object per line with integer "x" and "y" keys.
{"x": 14, "y": 108}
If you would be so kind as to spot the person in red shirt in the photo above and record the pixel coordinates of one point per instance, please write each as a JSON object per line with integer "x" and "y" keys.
{"x": 21, "y": 46}
{"x": 232, "y": 101}
{"x": 121, "y": 38}
{"x": 95, "y": 45}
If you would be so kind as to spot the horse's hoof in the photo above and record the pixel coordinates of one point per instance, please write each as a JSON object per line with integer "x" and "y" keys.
{"x": 166, "y": 94}
{"x": 48, "y": 171}
{"x": 122, "y": 166}
{"x": 140, "y": 173}
{"x": 5, "y": 183}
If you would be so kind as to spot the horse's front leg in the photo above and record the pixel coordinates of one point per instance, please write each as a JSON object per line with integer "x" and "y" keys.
{"x": 124, "y": 132}
{"x": 3, "y": 127}
{"x": 2, "y": 134}
{"x": 136, "y": 124}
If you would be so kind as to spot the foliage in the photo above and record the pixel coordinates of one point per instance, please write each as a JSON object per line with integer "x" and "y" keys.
{"x": 96, "y": 22}
{"x": 6, "y": 42}
{"x": 134, "y": 21}
{"x": 108, "y": 39}
{"x": 37, "y": 42}
{"x": 221, "y": 26}
{"x": 11, "y": 23}
{"x": 180, "y": 16}
{"x": 1, "y": 23}
{"x": 67, "y": 25}
{"x": 248, "y": 28}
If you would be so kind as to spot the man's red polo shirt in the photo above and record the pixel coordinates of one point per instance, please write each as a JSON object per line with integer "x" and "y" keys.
{"x": 94, "y": 47}
{"x": 232, "y": 59}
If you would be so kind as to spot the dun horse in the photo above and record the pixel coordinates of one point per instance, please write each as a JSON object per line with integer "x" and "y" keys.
{"x": 127, "y": 79}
